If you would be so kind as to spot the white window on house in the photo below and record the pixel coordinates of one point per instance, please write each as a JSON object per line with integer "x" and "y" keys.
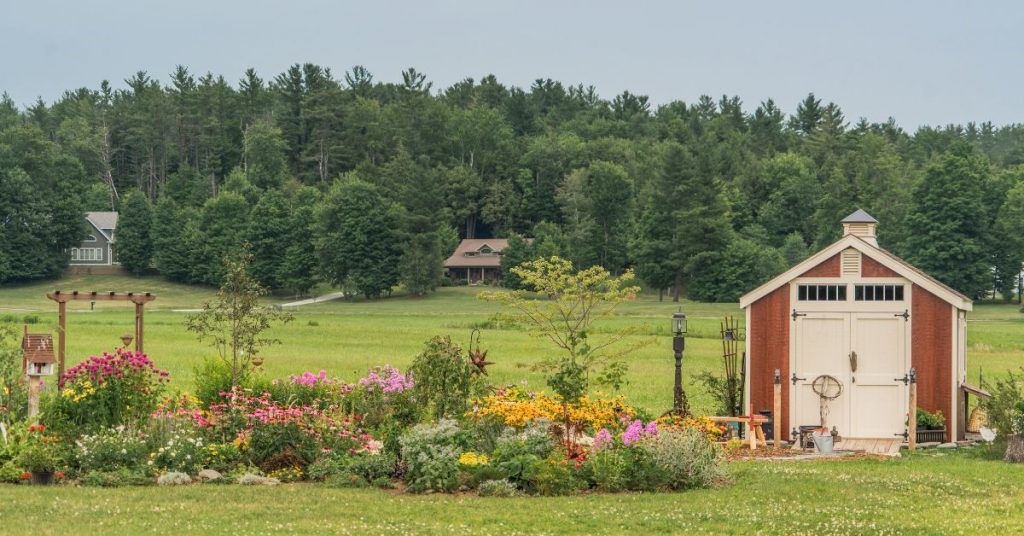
{"x": 90, "y": 238}
{"x": 821, "y": 293}
{"x": 87, "y": 254}
{"x": 878, "y": 293}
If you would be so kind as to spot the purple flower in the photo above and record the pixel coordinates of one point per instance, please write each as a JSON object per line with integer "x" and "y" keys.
{"x": 602, "y": 439}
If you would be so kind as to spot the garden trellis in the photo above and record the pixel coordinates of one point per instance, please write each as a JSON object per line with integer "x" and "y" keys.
{"x": 62, "y": 298}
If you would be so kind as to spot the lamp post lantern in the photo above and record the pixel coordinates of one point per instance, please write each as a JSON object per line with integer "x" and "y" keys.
{"x": 679, "y": 404}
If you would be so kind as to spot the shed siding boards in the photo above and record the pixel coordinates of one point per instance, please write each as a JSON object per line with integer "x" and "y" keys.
{"x": 827, "y": 268}
{"x": 768, "y": 337}
{"x": 932, "y": 354}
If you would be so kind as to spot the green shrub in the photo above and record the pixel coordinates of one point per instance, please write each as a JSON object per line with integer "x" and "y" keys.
{"x": 115, "y": 479}
{"x": 327, "y": 467}
{"x": 374, "y": 467}
{"x": 431, "y": 455}
{"x": 608, "y": 469}
{"x": 1007, "y": 392}
{"x": 213, "y": 377}
{"x": 686, "y": 458}
{"x": 498, "y": 488}
{"x": 444, "y": 378}
{"x": 111, "y": 449}
{"x": 517, "y": 451}
{"x": 10, "y": 472}
{"x": 553, "y": 476}
{"x": 927, "y": 420}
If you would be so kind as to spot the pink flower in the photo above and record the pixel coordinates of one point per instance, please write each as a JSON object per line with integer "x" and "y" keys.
{"x": 602, "y": 439}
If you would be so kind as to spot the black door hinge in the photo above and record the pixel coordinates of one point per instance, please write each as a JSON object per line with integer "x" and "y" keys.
{"x": 796, "y": 314}
{"x": 905, "y": 314}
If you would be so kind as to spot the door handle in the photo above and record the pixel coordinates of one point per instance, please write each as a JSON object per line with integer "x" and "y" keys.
{"x": 853, "y": 361}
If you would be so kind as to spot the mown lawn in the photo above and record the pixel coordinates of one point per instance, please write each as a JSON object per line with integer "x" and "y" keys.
{"x": 934, "y": 493}
{"x": 345, "y": 338}
{"x": 938, "y": 492}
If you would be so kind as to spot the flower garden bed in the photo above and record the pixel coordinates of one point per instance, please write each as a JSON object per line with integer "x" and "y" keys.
{"x": 111, "y": 423}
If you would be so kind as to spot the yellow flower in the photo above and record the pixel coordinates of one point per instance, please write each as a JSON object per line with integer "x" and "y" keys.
{"x": 472, "y": 458}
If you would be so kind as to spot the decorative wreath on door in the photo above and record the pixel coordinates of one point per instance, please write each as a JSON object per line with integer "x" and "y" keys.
{"x": 827, "y": 388}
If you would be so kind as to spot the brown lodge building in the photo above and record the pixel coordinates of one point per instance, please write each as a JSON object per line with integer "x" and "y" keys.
{"x": 476, "y": 260}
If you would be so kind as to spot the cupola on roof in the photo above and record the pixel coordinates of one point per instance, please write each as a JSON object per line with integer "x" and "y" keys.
{"x": 861, "y": 224}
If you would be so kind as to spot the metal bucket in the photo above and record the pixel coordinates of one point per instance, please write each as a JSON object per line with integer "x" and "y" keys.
{"x": 822, "y": 442}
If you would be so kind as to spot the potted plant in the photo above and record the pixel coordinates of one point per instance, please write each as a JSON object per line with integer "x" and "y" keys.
{"x": 39, "y": 454}
{"x": 931, "y": 427}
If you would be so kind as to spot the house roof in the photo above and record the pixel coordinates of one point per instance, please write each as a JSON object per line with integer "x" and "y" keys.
{"x": 38, "y": 347}
{"x": 883, "y": 257}
{"x": 460, "y": 259}
{"x": 104, "y": 222}
{"x": 859, "y": 217}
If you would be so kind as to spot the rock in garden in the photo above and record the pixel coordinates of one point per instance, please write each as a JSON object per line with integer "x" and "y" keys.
{"x": 173, "y": 478}
{"x": 208, "y": 475}
{"x": 251, "y": 479}
{"x": 948, "y": 446}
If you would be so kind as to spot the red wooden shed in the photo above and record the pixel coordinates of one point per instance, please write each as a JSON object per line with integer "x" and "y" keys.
{"x": 858, "y": 313}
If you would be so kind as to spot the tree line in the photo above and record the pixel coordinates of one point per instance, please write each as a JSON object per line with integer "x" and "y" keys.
{"x": 368, "y": 185}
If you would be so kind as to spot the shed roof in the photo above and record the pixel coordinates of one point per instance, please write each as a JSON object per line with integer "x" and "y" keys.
{"x": 38, "y": 347}
{"x": 884, "y": 257}
{"x": 465, "y": 257}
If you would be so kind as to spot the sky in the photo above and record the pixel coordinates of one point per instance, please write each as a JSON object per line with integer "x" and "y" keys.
{"x": 920, "y": 62}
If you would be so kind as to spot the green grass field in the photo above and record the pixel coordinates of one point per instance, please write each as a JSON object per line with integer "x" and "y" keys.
{"x": 933, "y": 493}
{"x": 930, "y": 493}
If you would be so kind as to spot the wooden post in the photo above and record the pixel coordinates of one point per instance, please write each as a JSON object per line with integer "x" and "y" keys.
{"x": 750, "y": 429}
{"x": 912, "y": 413}
{"x": 138, "y": 327}
{"x": 61, "y": 322}
{"x": 33, "y": 396}
{"x": 777, "y": 411}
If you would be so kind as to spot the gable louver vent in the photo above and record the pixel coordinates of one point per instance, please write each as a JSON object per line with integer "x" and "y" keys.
{"x": 850, "y": 263}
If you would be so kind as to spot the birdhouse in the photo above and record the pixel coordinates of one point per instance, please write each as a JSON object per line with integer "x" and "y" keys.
{"x": 37, "y": 354}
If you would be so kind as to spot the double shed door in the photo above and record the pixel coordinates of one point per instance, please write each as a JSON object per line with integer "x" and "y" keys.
{"x": 867, "y": 353}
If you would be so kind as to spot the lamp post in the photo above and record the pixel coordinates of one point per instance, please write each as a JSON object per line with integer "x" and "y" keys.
{"x": 680, "y": 406}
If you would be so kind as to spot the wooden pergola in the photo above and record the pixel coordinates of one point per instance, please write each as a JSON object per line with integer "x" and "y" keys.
{"x": 62, "y": 298}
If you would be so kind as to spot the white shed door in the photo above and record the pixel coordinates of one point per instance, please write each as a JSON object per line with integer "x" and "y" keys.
{"x": 866, "y": 352}
{"x": 878, "y": 400}
{"x": 822, "y": 346}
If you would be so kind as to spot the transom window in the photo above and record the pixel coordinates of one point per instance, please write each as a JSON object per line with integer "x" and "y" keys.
{"x": 821, "y": 293}
{"x": 878, "y": 292}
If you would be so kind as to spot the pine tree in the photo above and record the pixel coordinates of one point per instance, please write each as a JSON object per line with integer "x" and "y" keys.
{"x": 947, "y": 221}
{"x": 299, "y": 266}
{"x": 170, "y": 252}
{"x": 609, "y": 204}
{"x": 134, "y": 246}
{"x": 222, "y": 224}
{"x": 268, "y": 233}
{"x": 794, "y": 249}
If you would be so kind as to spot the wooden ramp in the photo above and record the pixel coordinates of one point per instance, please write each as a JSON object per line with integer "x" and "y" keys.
{"x": 868, "y": 445}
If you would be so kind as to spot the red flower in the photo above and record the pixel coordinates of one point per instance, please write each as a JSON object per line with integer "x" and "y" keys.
{"x": 58, "y": 474}
{"x": 26, "y": 475}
